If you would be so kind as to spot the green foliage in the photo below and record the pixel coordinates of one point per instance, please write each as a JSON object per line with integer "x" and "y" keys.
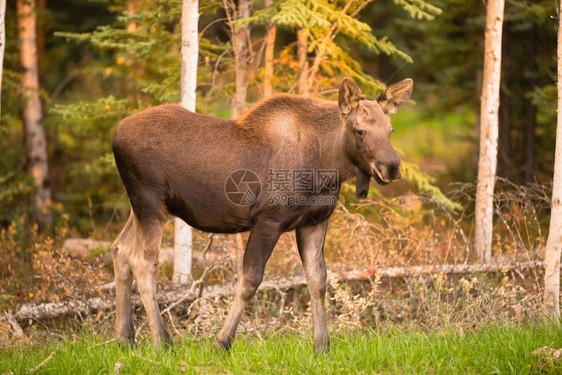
{"x": 329, "y": 27}
{"x": 419, "y": 9}
{"x": 102, "y": 109}
{"x": 448, "y": 70}
{"x": 15, "y": 190}
{"x": 106, "y": 72}
{"x": 545, "y": 98}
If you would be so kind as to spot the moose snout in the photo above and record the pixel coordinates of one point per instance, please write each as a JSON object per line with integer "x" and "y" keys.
{"x": 388, "y": 169}
{"x": 391, "y": 171}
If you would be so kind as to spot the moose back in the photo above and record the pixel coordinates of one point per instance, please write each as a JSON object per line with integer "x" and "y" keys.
{"x": 277, "y": 168}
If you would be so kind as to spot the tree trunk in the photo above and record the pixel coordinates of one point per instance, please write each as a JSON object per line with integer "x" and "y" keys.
{"x": 487, "y": 161}
{"x": 131, "y": 10}
{"x": 2, "y": 42}
{"x": 40, "y": 31}
{"x": 241, "y": 47}
{"x": 35, "y": 141}
{"x": 269, "y": 51}
{"x": 302, "y": 47}
{"x": 133, "y": 73}
{"x": 189, "y": 58}
{"x": 554, "y": 243}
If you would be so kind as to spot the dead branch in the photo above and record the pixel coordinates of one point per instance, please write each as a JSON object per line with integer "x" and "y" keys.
{"x": 18, "y": 332}
{"x": 54, "y": 310}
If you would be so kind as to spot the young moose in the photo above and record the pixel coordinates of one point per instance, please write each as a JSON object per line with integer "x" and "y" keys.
{"x": 178, "y": 162}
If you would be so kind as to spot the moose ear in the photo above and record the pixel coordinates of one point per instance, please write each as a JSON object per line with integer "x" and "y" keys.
{"x": 396, "y": 95}
{"x": 349, "y": 96}
{"x": 362, "y": 185}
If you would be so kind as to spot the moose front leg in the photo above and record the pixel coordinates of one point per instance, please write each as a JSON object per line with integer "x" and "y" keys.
{"x": 263, "y": 238}
{"x": 310, "y": 241}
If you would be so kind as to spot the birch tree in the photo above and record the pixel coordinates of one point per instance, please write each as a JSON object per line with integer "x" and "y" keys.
{"x": 35, "y": 141}
{"x": 551, "y": 301}
{"x": 188, "y": 74}
{"x": 2, "y": 42}
{"x": 487, "y": 161}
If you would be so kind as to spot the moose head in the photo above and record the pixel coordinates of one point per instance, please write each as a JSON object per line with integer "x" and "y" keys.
{"x": 368, "y": 131}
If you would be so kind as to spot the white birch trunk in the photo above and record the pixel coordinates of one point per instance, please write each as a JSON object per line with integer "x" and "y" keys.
{"x": 35, "y": 140}
{"x": 487, "y": 162}
{"x": 189, "y": 57}
{"x": 551, "y": 301}
{"x": 2, "y": 43}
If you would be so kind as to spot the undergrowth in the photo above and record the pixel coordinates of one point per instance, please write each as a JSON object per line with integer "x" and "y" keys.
{"x": 363, "y": 236}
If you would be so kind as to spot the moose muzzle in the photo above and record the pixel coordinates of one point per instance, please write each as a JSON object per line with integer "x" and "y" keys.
{"x": 387, "y": 170}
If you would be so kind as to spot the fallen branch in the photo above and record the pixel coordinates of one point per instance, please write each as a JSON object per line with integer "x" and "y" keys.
{"x": 451, "y": 269}
{"x": 54, "y": 310}
{"x": 177, "y": 296}
{"x": 18, "y": 332}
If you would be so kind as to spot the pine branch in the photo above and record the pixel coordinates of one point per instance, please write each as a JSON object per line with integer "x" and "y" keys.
{"x": 419, "y": 9}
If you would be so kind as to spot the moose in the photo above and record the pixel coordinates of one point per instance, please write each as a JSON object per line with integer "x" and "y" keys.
{"x": 212, "y": 173}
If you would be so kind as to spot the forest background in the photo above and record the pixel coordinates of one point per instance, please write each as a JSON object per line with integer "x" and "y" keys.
{"x": 101, "y": 60}
{"x": 93, "y": 73}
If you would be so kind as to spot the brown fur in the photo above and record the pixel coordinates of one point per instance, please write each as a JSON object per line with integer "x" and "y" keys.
{"x": 174, "y": 161}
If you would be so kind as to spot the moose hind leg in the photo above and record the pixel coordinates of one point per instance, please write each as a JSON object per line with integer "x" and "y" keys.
{"x": 263, "y": 238}
{"x": 310, "y": 241}
{"x": 121, "y": 251}
{"x": 144, "y": 264}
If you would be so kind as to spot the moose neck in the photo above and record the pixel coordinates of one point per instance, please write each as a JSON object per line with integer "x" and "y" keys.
{"x": 280, "y": 117}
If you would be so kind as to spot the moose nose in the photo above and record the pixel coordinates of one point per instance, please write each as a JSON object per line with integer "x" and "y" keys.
{"x": 394, "y": 170}
{"x": 389, "y": 169}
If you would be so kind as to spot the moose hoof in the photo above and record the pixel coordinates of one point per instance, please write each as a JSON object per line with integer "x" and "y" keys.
{"x": 126, "y": 341}
{"x": 224, "y": 345}
{"x": 125, "y": 336}
{"x": 164, "y": 341}
{"x": 322, "y": 346}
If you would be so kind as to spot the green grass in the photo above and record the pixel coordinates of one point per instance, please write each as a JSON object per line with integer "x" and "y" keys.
{"x": 505, "y": 350}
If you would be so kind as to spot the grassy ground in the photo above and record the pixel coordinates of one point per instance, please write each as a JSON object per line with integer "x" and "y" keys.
{"x": 491, "y": 350}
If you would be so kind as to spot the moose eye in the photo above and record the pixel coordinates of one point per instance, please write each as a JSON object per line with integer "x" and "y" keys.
{"x": 359, "y": 132}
